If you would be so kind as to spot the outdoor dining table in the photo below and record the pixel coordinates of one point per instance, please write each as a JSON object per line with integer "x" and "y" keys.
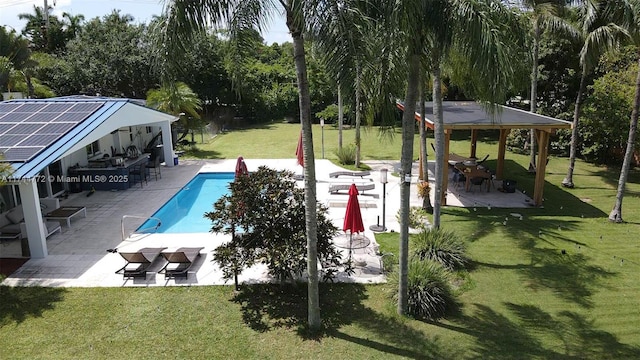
{"x": 474, "y": 172}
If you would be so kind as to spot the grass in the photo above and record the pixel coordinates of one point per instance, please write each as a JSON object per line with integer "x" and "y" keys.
{"x": 522, "y": 298}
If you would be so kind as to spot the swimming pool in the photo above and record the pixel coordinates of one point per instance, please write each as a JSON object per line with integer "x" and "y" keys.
{"x": 183, "y": 213}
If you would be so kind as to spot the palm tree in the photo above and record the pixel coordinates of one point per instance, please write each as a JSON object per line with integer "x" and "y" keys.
{"x": 543, "y": 17}
{"x": 626, "y": 13}
{"x": 177, "y": 99}
{"x": 599, "y": 36}
{"x": 481, "y": 30}
{"x": 184, "y": 17}
{"x": 489, "y": 36}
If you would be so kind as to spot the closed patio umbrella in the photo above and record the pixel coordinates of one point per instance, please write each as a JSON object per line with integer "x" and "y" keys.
{"x": 241, "y": 167}
{"x": 353, "y": 216}
{"x": 300, "y": 151}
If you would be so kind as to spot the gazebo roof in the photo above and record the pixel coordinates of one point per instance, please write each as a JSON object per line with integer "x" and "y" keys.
{"x": 472, "y": 115}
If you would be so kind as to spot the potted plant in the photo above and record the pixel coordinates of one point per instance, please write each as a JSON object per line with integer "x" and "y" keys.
{"x": 423, "y": 191}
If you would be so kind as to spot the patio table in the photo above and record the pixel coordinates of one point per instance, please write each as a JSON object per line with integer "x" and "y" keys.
{"x": 66, "y": 213}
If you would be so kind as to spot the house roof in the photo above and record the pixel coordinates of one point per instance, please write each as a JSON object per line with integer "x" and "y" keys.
{"x": 36, "y": 132}
{"x": 471, "y": 115}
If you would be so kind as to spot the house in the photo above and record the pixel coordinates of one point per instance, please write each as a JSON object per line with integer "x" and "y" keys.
{"x": 53, "y": 145}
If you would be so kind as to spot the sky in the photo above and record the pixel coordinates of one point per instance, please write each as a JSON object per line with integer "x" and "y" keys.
{"x": 141, "y": 10}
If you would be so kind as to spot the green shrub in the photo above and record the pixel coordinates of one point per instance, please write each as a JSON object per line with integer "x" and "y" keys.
{"x": 347, "y": 155}
{"x": 418, "y": 217}
{"x": 441, "y": 246}
{"x": 429, "y": 294}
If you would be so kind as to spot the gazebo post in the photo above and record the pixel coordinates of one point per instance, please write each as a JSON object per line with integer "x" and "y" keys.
{"x": 543, "y": 151}
{"x": 502, "y": 146}
{"x": 474, "y": 140}
{"x": 445, "y": 167}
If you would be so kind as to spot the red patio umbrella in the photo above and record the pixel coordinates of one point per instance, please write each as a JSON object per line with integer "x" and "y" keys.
{"x": 300, "y": 151}
{"x": 241, "y": 167}
{"x": 353, "y": 217}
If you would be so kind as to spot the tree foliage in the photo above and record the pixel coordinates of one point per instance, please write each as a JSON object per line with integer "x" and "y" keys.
{"x": 605, "y": 123}
{"x": 110, "y": 57}
{"x": 268, "y": 209}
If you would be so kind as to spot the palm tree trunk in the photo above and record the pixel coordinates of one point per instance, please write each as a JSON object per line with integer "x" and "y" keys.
{"x": 616, "y": 213}
{"x": 534, "y": 93}
{"x": 426, "y": 201}
{"x": 568, "y": 180}
{"x": 439, "y": 137}
{"x": 311, "y": 222}
{"x": 406, "y": 160}
{"x": 340, "y": 118}
{"x": 358, "y": 114}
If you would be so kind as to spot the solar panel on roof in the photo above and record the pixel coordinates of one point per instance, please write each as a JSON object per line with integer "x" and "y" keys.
{"x": 25, "y": 129}
{"x": 41, "y": 117}
{"x": 13, "y": 117}
{"x": 5, "y": 127}
{"x": 10, "y": 140}
{"x": 85, "y": 107}
{"x": 38, "y": 140}
{"x": 29, "y": 127}
{"x": 71, "y": 117}
{"x": 8, "y": 107}
{"x": 30, "y": 108}
{"x": 56, "y": 128}
{"x": 55, "y": 108}
{"x": 22, "y": 152}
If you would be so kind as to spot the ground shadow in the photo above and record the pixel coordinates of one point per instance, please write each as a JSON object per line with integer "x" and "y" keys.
{"x": 497, "y": 336}
{"x": 555, "y": 260}
{"x": 199, "y": 153}
{"x": 19, "y": 303}
{"x": 268, "y": 306}
{"x": 610, "y": 176}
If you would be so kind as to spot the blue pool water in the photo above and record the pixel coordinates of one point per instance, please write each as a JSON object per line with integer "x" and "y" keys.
{"x": 183, "y": 213}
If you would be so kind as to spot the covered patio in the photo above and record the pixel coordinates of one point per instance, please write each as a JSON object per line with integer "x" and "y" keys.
{"x": 470, "y": 115}
{"x": 69, "y": 132}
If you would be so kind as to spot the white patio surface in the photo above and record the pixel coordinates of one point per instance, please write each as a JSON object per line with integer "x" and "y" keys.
{"x": 78, "y": 256}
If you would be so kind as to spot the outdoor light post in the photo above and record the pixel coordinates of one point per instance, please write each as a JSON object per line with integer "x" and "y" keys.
{"x": 383, "y": 180}
{"x": 322, "y": 127}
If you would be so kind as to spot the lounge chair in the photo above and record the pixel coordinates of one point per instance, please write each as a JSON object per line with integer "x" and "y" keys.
{"x": 361, "y": 174}
{"x": 179, "y": 262}
{"x": 334, "y": 188}
{"x": 138, "y": 262}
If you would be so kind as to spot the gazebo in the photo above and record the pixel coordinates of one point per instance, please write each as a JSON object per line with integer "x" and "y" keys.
{"x": 470, "y": 115}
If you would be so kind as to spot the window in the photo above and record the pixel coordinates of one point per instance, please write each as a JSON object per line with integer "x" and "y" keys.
{"x": 93, "y": 148}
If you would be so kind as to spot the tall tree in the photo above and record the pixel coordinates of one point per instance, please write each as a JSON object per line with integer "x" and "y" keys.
{"x": 544, "y": 16}
{"x": 626, "y": 13}
{"x": 598, "y": 35}
{"x": 184, "y": 17}
{"x": 111, "y": 56}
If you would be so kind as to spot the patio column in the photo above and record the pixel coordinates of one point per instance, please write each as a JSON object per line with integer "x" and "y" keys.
{"x": 502, "y": 146}
{"x": 474, "y": 140}
{"x": 167, "y": 142}
{"x": 543, "y": 150}
{"x": 33, "y": 218}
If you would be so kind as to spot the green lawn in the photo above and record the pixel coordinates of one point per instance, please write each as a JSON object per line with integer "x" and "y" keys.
{"x": 522, "y": 298}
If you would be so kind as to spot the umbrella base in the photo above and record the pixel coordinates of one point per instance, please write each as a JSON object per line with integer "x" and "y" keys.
{"x": 377, "y": 228}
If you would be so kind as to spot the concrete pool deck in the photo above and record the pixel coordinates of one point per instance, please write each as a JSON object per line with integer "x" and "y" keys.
{"x": 78, "y": 257}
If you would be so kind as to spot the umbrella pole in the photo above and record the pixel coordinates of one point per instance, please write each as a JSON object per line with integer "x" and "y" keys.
{"x": 350, "y": 245}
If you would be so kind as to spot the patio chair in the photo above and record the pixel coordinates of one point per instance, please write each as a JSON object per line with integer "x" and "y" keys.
{"x": 138, "y": 262}
{"x": 179, "y": 262}
{"x": 138, "y": 172}
{"x": 155, "y": 165}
